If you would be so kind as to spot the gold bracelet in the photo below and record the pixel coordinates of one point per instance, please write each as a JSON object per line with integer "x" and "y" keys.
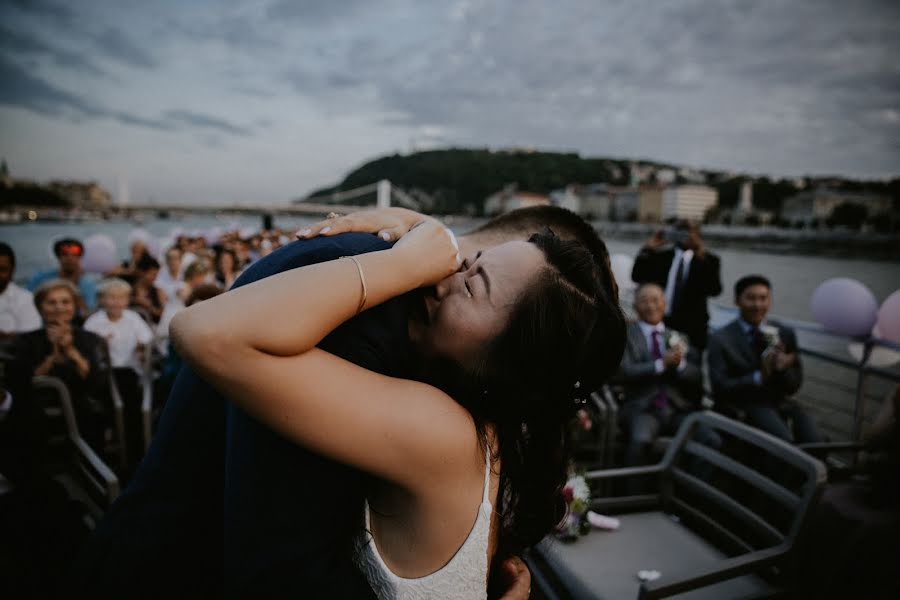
{"x": 362, "y": 281}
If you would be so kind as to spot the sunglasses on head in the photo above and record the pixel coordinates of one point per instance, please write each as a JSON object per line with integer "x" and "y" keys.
{"x": 70, "y": 250}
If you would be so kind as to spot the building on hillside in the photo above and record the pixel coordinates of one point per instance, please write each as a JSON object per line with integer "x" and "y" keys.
{"x": 688, "y": 202}
{"x": 650, "y": 204}
{"x": 510, "y": 198}
{"x": 816, "y": 205}
{"x": 82, "y": 195}
{"x": 592, "y": 201}
{"x": 625, "y": 203}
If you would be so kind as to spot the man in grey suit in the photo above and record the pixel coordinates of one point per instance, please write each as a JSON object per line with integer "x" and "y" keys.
{"x": 754, "y": 365}
{"x": 661, "y": 378}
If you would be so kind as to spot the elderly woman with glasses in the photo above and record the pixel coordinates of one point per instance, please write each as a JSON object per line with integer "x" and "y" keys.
{"x": 63, "y": 349}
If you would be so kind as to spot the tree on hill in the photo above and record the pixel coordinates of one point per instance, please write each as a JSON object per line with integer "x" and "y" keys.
{"x": 456, "y": 178}
{"x": 848, "y": 214}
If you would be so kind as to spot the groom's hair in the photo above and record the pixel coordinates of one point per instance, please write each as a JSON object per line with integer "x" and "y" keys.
{"x": 564, "y": 223}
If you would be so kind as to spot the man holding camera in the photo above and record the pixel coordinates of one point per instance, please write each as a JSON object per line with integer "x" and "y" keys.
{"x": 688, "y": 274}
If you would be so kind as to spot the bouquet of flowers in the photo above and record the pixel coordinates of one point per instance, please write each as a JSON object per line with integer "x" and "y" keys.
{"x": 577, "y": 494}
{"x": 676, "y": 340}
{"x": 770, "y": 334}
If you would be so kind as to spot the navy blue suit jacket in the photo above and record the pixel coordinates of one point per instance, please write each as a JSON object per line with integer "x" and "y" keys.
{"x": 227, "y": 506}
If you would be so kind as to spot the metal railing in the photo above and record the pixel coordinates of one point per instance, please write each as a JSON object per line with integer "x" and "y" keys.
{"x": 862, "y": 367}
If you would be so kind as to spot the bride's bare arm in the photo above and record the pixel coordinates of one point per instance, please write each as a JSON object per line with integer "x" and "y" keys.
{"x": 257, "y": 345}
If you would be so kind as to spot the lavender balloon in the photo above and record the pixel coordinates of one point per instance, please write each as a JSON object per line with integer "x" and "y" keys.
{"x": 889, "y": 318}
{"x": 844, "y": 306}
{"x": 99, "y": 254}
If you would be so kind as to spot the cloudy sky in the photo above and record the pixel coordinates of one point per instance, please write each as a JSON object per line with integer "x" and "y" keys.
{"x": 265, "y": 100}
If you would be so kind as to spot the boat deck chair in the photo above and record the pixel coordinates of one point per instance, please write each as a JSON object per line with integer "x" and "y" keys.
{"x": 719, "y": 523}
{"x": 593, "y": 448}
{"x": 84, "y": 475}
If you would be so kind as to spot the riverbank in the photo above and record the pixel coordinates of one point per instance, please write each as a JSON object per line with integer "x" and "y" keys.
{"x": 819, "y": 243}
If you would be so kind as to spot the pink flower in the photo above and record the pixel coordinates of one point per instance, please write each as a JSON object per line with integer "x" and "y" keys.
{"x": 568, "y": 494}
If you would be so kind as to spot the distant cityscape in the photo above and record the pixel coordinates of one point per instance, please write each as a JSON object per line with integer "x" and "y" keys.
{"x": 633, "y": 192}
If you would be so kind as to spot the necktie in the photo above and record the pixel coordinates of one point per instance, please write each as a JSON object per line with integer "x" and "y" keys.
{"x": 659, "y": 402}
{"x": 677, "y": 284}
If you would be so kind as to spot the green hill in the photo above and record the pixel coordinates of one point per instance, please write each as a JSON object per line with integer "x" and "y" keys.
{"x": 459, "y": 180}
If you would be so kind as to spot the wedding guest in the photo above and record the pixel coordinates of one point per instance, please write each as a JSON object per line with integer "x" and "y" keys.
{"x": 661, "y": 378}
{"x": 196, "y": 274}
{"x": 63, "y": 349}
{"x": 128, "y": 337}
{"x": 68, "y": 252}
{"x": 226, "y": 268}
{"x": 17, "y": 311}
{"x": 128, "y": 270}
{"x": 687, "y": 272}
{"x": 171, "y": 278}
{"x": 145, "y": 294}
{"x": 754, "y": 365}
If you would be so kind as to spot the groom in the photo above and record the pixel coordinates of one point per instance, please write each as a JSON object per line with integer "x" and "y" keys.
{"x": 284, "y": 516}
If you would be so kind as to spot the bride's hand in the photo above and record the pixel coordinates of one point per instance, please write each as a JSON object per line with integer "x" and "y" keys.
{"x": 389, "y": 224}
{"x": 429, "y": 251}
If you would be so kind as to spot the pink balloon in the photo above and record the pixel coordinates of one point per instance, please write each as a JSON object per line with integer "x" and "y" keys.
{"x": 889, "y": 318}
{"x": 844, "y": 306}
{"x": 99, "y": 254}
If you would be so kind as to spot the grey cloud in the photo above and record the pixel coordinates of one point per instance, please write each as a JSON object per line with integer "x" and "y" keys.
{"x": 24, "y": 90}
{"x": 112, "y": 42}
{"x": 42, "y": 8}
{"x": 16, "y": 43}
{"x": 314, "y": 12}
{"x": 709, "y": 75}
{"x": 205, "y": 122}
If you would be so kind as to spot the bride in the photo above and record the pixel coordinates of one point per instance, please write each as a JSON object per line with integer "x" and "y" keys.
{"x": 467, "y": 463}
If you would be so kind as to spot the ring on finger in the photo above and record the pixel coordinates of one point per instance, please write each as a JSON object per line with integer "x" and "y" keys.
{"x": 332, "y": 215}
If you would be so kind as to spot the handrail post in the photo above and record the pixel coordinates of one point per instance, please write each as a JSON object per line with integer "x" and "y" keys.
{"x": 859, "y": 410}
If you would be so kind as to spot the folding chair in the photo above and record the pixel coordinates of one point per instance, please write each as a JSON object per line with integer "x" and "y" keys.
{"x": 81, "y": 471}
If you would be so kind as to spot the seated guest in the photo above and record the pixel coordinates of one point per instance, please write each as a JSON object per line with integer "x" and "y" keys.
{"x": 661, "y": 378}
{"x": 195, "y": 274}
{"x": 128, "y": 270}
{"x": 63, "y": 349}
{"x": 68, "y": 252}
{"x": 171, "y": 278}
{"x": 145, "y": 294}
{"x": 17, "y": 311}
{"x": 755, "y": 367}
{"x": 226, "y": 268}
{"x": 128, "y": 336}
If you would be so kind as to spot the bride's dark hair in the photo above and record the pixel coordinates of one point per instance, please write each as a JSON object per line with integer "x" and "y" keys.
{"x": 564, "y": 338}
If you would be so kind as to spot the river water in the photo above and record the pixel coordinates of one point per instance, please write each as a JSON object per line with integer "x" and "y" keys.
{"x": 794, "y": 277}
{"x": 828, "y": 389}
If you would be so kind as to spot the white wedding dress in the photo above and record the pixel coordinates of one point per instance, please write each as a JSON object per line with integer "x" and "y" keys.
{"x": 464, "y": 577}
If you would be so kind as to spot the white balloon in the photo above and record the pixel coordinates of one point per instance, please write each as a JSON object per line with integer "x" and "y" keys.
{"x": 212, "y": 235}
{"x": 138, "y": 234}
{"x": 99, "y": 254}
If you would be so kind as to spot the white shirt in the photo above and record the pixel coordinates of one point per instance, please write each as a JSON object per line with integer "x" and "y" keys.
{"x": 122, "y": 336}
{"x": 17, "y": 311}
{"x": 170, "y": 285}
{"x": 680, "y": 254}
{"x": 162, "y": 328}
